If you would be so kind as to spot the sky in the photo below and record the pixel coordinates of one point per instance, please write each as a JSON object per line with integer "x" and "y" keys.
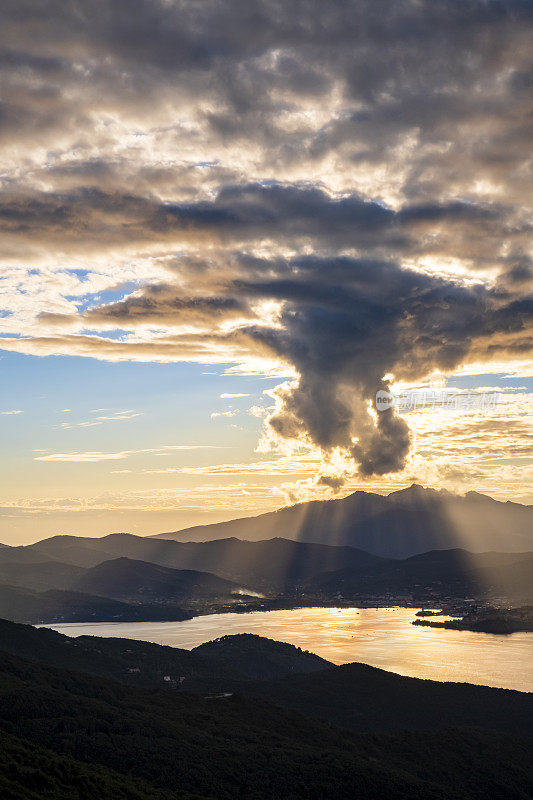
{"x": 227, "y": 227}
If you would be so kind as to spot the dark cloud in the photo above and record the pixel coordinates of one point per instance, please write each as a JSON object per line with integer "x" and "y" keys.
{"x": 429, "y": 70}
{"x": 160, "y": 306}
{"x": 289, "y": 214}
{"x": 344, "y": 324}
{"x": 304, "y": 155}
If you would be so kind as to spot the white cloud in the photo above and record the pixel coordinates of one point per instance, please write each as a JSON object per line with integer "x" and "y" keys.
{"x": 231, "y": 413}
{"x": 97, "y": 456}
{"x": 92, "y": 457}
{"x": 117, "y": 416}
{"x": 258, "y": 411}
{"x": 230, "y": 497}
{"x": 278, "y": 466}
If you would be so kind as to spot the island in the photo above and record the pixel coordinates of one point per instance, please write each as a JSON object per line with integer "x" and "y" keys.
{"x": 487, "y": 619}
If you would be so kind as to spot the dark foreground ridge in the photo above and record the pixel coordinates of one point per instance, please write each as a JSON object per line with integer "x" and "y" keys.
{"x": 29, "y": 772}
{"x": 100, "y": 734}
{"x": 259, "y": 658}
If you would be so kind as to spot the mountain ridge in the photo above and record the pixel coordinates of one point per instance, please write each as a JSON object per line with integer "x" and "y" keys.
{"x": 404, "y": 523}
{"x": 142, "y": 569}
{"x": 126, "y": 578}
{"x": 274, "y": 562}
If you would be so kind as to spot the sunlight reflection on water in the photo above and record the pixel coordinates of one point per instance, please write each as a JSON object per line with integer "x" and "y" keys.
{"x": 382, "y": 637}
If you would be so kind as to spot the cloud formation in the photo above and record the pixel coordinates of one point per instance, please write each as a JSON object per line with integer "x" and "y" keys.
{"x": 95, "y": 456}
{"x": 337, "y": 193}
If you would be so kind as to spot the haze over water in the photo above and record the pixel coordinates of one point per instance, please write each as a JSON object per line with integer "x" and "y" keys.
{"x": 382, "y": 637}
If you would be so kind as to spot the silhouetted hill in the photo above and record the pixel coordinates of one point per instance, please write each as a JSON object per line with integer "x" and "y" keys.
{"x": 54, "y": 606}
{"x": 364, "y": 698}
{"x": 40, "y": 576}
{"x": 404, "y": 523}
{"x": 258, "y": 657}
{"x": 126, "y": 660}
{"x": 153, "y": 571}
{"x": 515, "y": 578}
{"x": 277, "y": 563}
{"x": 83, "y": 555}
{"x": 205, "y": 668}
{"x": 444, "y": 573}
{"x": 232, "y": 746}
{"x": 355, "y": 696}
{"x": 128, "y": 579}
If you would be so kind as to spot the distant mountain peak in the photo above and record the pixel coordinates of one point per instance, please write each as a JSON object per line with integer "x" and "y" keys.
{"x": 126, "y": 578}
{"x": 485, "y": 498}
{"x": 414, "y": 490}
{"x": 411, "y": 520}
